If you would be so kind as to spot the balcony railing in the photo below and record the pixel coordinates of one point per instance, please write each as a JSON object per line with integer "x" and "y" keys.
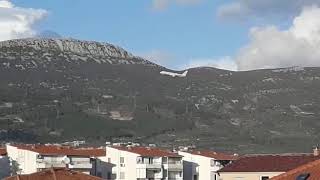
{"x": 84, "y": 165}
{"x": 174, "y": 166}
{"x": 149, "y": 165}
{"x": 44, "y": 165}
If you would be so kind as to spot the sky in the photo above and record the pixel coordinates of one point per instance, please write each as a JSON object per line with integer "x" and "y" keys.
{"x": 179, "y": 34}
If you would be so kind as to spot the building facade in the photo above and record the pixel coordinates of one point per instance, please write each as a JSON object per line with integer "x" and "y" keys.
{"x": 34, "y": 158}
{"x": 263, "y": 167}
{"x": 203, "y": 165}
{"x": 143, "y": 163}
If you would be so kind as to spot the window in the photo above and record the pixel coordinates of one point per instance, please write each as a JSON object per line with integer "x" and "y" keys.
{"x": 165, "y": 173}
{"x": 122, "y": 175}
{"x": 264, "y": 177}
{"x": 164, "y": 160}
{"x": 150, "y": 160}
{"x": 108, "y": 175}
{"x": 121, "y": 160}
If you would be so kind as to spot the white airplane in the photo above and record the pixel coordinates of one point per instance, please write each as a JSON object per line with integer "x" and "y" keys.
{"x": 172, "y": 74}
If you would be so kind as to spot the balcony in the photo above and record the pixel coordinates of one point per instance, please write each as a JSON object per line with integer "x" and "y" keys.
{"x": 154, "y": 175}
{"x": 45, "y": 165}
{"x": 149, "y": 173}
{"x": 79, "y": 165}
{"x": 149, "y": 165}
{"x": 174, "y": 166}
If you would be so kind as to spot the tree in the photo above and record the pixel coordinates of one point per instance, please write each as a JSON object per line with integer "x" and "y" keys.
{"x": 15, "y": 169}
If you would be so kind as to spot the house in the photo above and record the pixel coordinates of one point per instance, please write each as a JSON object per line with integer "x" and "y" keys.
{"x": 262, "y": 167}
{"x": 28, "y": 159}
{"x": 54, "y": 174}
{"x": 309, "y": 171}
{"x": 204, "y": 164}
{"x": 147, "y": 163}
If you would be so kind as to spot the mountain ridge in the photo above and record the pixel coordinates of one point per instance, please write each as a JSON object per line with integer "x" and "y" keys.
{"x": 121, "y": 97}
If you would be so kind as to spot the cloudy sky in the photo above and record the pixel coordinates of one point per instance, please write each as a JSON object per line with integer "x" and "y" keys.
{"x": 228, "y": 34}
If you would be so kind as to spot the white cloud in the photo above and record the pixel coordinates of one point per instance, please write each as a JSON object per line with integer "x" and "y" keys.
{"x": 249, "y": 9}
{"x": 270, "y": 47}
{"x": 222, "y": 63}
{"x": 160, "y": 5}
{"x": 17, "y": 22}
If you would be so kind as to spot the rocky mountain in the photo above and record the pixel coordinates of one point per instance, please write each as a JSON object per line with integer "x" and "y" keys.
{"x": 55, "y": 90}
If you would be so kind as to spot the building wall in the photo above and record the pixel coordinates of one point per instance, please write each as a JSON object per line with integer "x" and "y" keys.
{"x": 4, "y": 167}
{"x": 129, "y": 167}
{"x": 29, "y": 163}
{"x": 102, "y": 167}
{"x": 26, "y": 160}
{"x": 246, "y": 175}
{"x": 198, "y": 165}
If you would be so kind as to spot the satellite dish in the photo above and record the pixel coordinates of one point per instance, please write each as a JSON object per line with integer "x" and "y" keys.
{"x": 65, "y": 160}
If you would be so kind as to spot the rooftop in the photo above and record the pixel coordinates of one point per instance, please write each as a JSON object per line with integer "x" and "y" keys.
{"x": 54, "y": 173}
{"x": 63, "y": 150}
{"x": 148, "y": 151}
{"x": 269, "y": 163}
{"x": 312, "y": 168}
{"x": 214, "y": 155}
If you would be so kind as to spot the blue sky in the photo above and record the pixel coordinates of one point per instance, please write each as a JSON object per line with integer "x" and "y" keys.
{"x": 184, "y": 32}
{"x": 229, "y": 34}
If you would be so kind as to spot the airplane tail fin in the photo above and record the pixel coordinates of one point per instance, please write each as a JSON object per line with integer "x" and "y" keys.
{"x": 185, "y": 73}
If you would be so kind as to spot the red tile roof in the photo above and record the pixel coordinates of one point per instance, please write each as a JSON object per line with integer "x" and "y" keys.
{"x": 312, "y": 168}
{"x": 268, "y": 163}
{"x": 63, "y": 150}
{"x": 3, "y": 152}
{"x": 148, "y": 151}
{"x": 54, "y": 173}
{"x": 215, "y": 155}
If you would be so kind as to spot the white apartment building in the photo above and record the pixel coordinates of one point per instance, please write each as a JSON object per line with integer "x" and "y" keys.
{"x": 203, "y": 165}
{"x": 35, "y": 158}
{"x": 143, "y": 163}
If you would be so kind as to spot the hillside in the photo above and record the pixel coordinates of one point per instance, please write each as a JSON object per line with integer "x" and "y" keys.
{"x": 64, "y": 89}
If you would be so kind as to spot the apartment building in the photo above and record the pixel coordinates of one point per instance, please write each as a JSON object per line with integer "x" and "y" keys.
{"x": 204, "y": 164}
{"x": 263, "y": 167}
{"x": 143, "y": 163}
{"x": 35, "y": 158}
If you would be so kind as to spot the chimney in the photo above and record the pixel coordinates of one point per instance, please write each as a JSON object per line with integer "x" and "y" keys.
{"x": 316, "y": 151}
